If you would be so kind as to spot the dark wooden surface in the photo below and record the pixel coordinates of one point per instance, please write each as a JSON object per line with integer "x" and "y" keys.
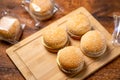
{"x": 102, "y": 10}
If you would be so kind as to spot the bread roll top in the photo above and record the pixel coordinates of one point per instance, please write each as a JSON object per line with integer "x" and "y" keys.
{"x": 93, "y": 42}
{"x": 55, "y": 37}
{"x": 70, "y": 57}
{"x": 78, "y": 24}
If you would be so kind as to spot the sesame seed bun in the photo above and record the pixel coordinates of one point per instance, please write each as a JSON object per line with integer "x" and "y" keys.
{"x": 70, "y": 60}
{"x": 78, "y": 25}
{"x": 93, "y": 44}
{"x": 55, "y": 39}
{"x": 42, "y": 9}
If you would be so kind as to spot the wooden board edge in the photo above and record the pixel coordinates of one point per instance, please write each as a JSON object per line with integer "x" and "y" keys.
{"x": 110, "y": 58}
{"x": 21, "y": 66}
{"x": 98, "y": 23}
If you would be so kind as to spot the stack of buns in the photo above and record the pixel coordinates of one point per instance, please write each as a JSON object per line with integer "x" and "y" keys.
{"x": 69, "y": 59}
{"x": 10, "y": 29}
{"x": 42, "y": 9}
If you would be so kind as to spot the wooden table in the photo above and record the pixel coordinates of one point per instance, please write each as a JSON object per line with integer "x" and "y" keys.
{"x": 102, "y": 10}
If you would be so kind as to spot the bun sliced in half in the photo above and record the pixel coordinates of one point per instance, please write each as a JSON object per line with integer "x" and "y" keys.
{"x": 78, "y": 25}
{"x": 55, "y": 39}
{"x": 70, "y": 60}
{"x": 42, "y": 9}
{"x": 93, "y": 44}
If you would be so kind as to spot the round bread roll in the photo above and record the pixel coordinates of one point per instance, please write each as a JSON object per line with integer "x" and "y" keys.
{"x": 70, "y": 60}
{"x": 42, "y": 9}
{"x": 93, "y": 44}
{"x": 55, "y": 39}
{"x": 78, "y": 25}
{"x": 10, "y": 29}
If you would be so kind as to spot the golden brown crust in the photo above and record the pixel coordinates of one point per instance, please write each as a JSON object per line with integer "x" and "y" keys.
{"x": 41, "y": 7}
{"x": 70, "y": 59}
{"x": 93, "y": 44}
{"x": 55, "y": 50}
{"x": 55, "y": 38}
{"x": 78, "y": 25}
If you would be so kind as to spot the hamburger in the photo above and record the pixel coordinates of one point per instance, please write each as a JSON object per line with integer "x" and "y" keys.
{"x": 78, "y": 25}
{"x": 70, "y": 60}
{"x": 93, "y": 44}
{"x": 55, "y": 39}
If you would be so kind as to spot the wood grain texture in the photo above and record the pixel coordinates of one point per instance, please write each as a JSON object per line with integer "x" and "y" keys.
{"x": 102, "y": 10}
{"x": 41, "y": 64}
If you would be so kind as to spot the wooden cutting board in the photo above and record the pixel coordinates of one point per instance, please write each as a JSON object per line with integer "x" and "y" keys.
{"x": 36, "y": 63}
